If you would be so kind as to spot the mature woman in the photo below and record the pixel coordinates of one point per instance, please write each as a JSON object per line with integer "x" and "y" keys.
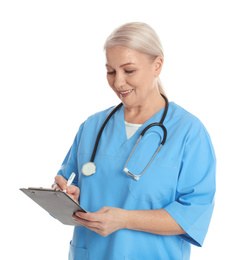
{"x": 144, "y": 201}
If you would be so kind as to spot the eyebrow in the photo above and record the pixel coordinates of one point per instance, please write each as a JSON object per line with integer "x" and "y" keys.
{"x": 129, "y": 63}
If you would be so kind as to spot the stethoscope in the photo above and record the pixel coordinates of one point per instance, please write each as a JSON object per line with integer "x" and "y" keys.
{"x": 89, "y": 168}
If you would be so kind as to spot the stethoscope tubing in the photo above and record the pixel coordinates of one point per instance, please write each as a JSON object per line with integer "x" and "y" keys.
{"x": 90, "y": 168}
{"x": 101, "y": 130}
{"x": 156, "y": 124}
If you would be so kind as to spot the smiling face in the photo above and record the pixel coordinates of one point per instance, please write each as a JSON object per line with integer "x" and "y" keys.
{"x": 133, "y": 75}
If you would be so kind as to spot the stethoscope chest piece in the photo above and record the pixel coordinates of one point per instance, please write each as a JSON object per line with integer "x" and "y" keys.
{"x": 89, "y": 168}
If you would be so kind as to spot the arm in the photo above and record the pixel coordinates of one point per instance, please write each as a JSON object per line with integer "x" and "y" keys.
{"x": 69, "y": 165}
{"x": 153, "y": 221}
{"x": 108, "y": 220}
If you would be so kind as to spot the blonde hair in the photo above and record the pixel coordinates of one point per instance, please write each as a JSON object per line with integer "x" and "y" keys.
{"x": 140, "y": 37}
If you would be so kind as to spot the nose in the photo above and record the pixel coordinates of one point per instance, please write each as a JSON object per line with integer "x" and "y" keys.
{"x": 119, "y": 80}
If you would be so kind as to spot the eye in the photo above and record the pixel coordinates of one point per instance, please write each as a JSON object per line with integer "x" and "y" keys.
{"x": 110, "y": 72}
{"x": 129, "y": 71}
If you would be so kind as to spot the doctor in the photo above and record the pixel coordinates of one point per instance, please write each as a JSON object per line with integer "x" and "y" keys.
{"x": 144, "y": 201}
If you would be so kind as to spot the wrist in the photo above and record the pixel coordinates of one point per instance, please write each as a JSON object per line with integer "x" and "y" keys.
{"x": 126, "y": 214}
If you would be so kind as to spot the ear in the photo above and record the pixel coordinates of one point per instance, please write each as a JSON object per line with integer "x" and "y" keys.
{"x": 158, "y": 62}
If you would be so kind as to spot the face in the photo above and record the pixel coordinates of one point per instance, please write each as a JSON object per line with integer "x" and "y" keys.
{"x": 132, "y": 75}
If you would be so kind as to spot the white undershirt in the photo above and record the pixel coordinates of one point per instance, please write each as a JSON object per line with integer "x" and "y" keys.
{"x": 131, "y": 129}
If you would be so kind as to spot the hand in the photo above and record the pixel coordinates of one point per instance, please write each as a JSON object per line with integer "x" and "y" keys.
{"x": 104, "y": 222}
{"x": 72, "y": 191}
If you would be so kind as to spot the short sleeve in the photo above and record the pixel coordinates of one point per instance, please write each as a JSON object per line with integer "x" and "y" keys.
{"x": 69, "y": 164}
{"x": 194, "y": 203}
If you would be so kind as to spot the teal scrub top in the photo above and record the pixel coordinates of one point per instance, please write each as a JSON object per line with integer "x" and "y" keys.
{"x": 180, "y": 179}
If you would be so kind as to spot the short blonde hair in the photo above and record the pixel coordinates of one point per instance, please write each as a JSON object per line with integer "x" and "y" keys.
{"x": 140, "y": 37}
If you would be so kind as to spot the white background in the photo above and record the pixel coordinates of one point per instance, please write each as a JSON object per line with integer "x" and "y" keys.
{"x": 52, "y": 77}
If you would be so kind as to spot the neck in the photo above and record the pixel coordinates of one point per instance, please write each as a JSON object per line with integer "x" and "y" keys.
{"x": 140, "y": 114}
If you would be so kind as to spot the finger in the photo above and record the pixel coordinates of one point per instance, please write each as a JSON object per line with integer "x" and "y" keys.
{"x": 86, "y": 216}
{"x": 95, "y": 226}
{"x": 55, "y": 186}
{"x": 80, "y": 220}
{"x": 73, "y": 198}
{"x": 74, "y": 190}
{"x": 92, "y": 225}
{"x": 103, "y": 210}
{"x": 61, "y": 182}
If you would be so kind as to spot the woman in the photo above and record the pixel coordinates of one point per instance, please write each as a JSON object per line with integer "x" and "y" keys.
{"x": 136, "y": 209}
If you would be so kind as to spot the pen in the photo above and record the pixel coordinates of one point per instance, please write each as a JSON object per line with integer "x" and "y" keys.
{"x": 70, "y": 180}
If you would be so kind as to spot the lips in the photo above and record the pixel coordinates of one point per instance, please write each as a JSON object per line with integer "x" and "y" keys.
{"x": 125, "y": 92}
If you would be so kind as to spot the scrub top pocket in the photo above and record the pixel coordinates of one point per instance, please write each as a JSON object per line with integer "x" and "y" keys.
{"x": 77, "y": 253}
{"x": 157, "y": 184}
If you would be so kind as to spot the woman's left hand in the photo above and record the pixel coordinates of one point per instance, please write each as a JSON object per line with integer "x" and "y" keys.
{"x": 104, "y": 222}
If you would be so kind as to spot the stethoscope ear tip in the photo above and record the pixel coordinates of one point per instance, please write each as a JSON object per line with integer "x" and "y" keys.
{"x": 135, "y": 177}
{"x": 125, "y": 170}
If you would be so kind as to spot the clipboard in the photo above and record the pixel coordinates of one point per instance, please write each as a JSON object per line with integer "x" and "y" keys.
{"x": 57, "y": 203}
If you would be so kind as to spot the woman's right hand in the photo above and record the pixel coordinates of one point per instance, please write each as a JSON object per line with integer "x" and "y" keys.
{"x": 61, "y": 184}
